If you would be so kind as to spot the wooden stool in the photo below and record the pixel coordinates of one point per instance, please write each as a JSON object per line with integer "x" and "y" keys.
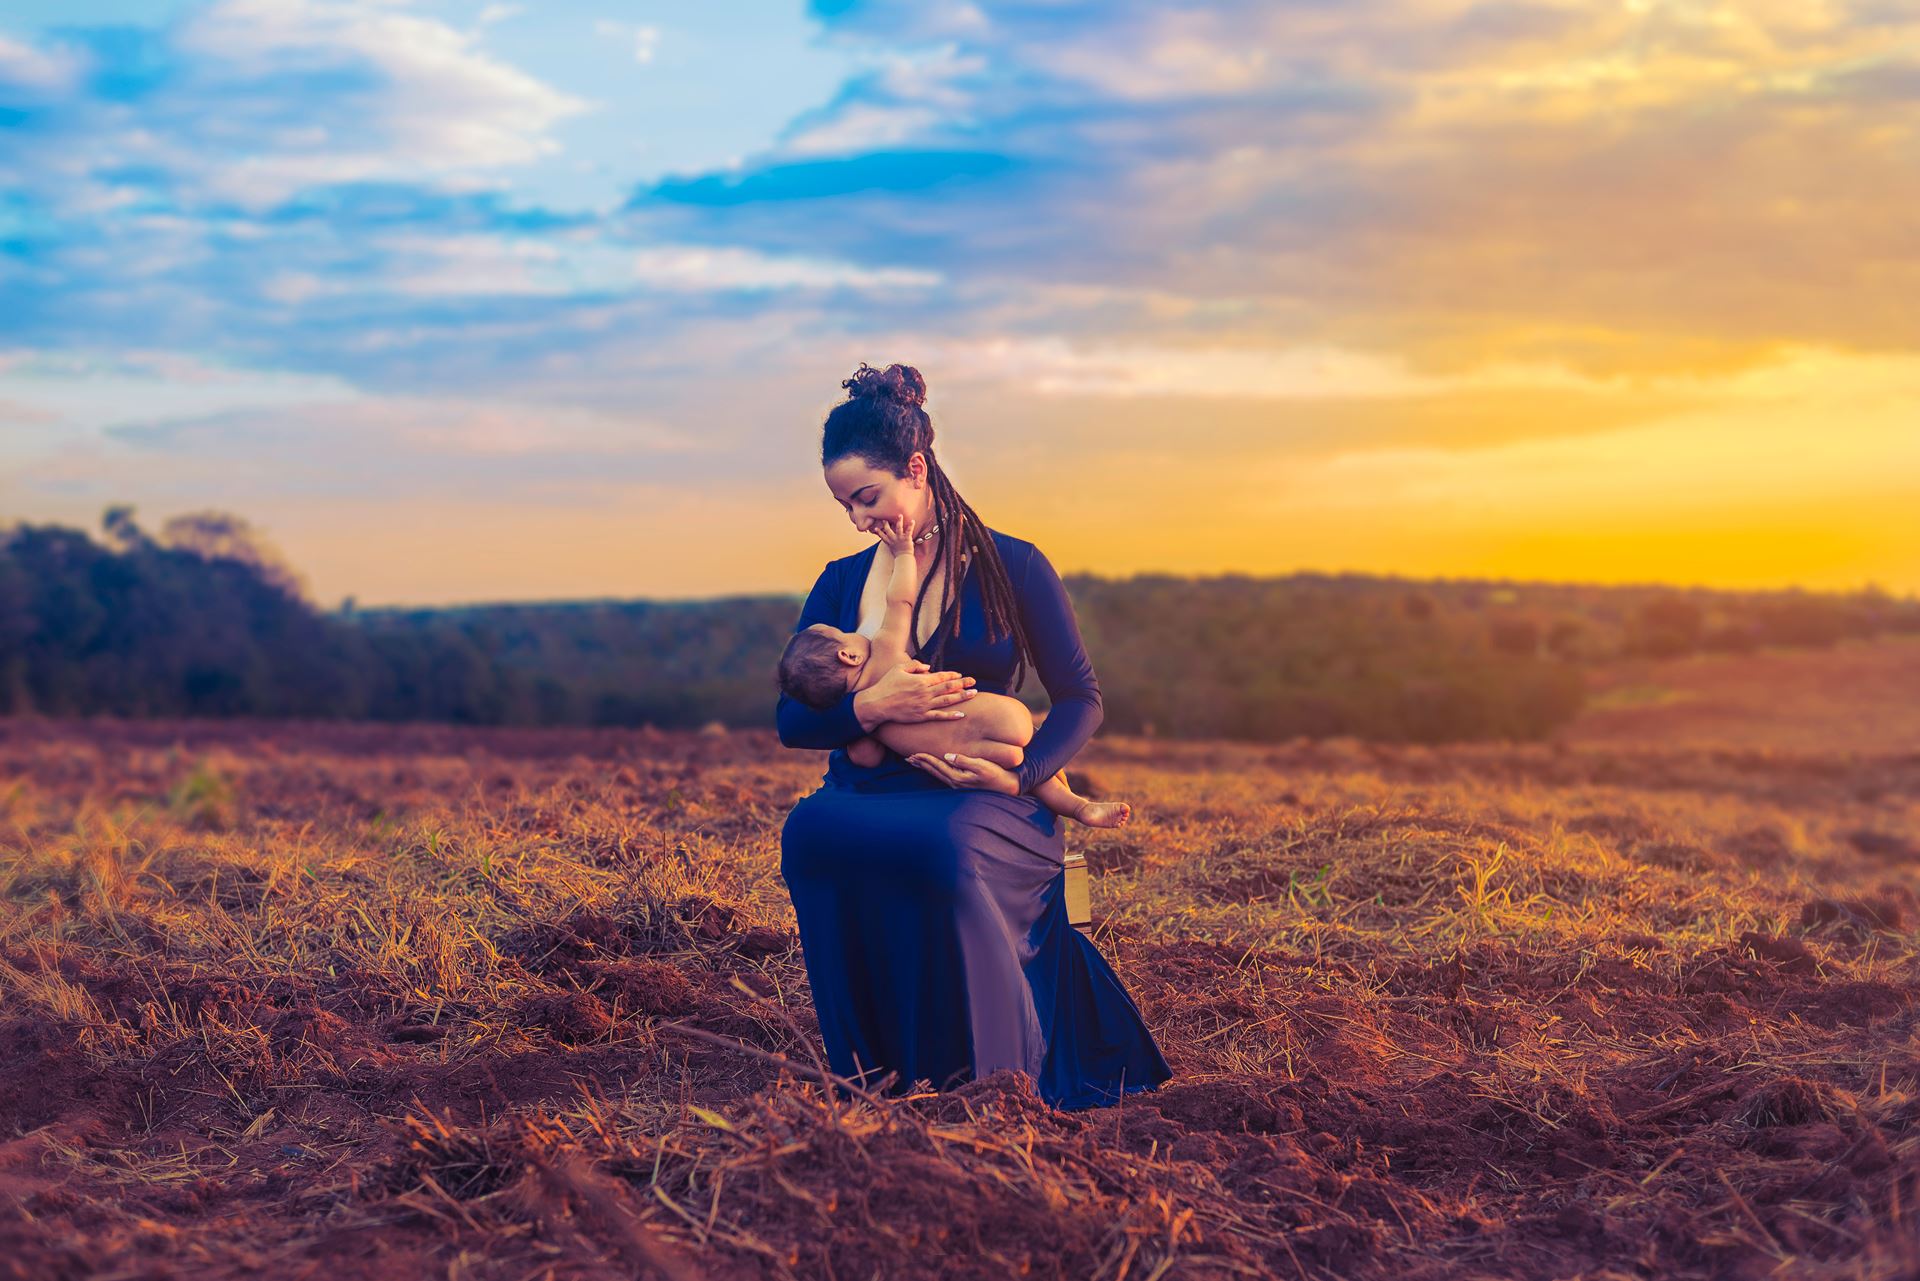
{"x": 1079, "y": 902}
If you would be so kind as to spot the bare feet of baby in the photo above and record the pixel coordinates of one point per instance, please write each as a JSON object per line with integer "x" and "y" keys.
{"x": 1104, "y": 813}
{"x": 866, "y": 752}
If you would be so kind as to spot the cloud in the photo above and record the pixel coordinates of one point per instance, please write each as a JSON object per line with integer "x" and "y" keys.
{"x": 1420, "y": 174}
{"x": 442, "y": 428}
{"x": 25, "y": 69}
{"x": 1748, "y": 450}
{"x": 1056, "y": 367}
{"x": 433, "y": 103}
{"x": 248, "y": 101}
{"x": 1892, "y": 81}
{"x": 682, "y": 267}
{"x": 394, "y": 449}
{"x": 644, "y": 39}
{"x": 13, "y": 413}
{"x": 92, "y": 390}
{"x": 906, "y": 97}
{"x": 483, "y": 265}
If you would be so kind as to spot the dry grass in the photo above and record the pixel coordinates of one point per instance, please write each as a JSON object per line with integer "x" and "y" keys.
{"x": 373, "y": 1002}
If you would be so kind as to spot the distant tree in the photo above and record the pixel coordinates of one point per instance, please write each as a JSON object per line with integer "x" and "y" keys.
{"x": 122, "y": 533}
{"x": 1667, "y": 625}
{"x": 1800, "y": 619}
{"x": 17, "y": 625}
{"x": 216, "y": 535}
{"x": 1736, "y": 636}
{"x": 1516, "y": 636}
{"x": 1567, "y": 638}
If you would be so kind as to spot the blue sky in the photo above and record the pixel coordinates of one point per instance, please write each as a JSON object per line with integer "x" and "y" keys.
{"x": 724, "y": 83}
{"x": 476, "y": 301}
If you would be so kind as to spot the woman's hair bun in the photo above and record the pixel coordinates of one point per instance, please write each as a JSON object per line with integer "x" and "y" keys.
{"x": 901, "y": 383}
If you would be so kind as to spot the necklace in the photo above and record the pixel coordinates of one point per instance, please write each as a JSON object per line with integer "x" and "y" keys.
{"x": 921, "y": 538}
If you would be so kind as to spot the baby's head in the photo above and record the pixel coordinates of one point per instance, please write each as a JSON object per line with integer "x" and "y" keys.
{"x": 821, "y": 664}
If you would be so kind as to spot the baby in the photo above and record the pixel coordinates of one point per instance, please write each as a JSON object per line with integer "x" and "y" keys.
{"x": 822, "y": 664}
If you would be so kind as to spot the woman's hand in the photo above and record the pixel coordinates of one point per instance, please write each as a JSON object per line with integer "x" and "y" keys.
{"x": 912, "y": 692}
{"x": 957, "y": 770}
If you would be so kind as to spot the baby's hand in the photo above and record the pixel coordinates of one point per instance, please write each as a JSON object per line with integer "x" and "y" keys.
{"x": 897, "y": 534}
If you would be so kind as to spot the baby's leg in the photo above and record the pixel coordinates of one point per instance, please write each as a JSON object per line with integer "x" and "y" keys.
{"x": 866, "y": 751}
{"x": 1057, "y": 796}
{"x": 997, "y": 728}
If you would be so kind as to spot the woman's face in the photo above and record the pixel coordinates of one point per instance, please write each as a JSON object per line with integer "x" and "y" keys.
{"x": 867, "y": 493}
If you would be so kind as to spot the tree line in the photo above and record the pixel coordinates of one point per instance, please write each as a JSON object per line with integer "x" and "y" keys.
{"x": 203, "y": 618}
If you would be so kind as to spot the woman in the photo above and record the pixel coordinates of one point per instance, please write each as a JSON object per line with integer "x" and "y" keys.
{"x": 930, "y": 892}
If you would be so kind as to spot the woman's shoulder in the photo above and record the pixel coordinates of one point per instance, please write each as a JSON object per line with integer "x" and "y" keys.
{"x": 1015, "y": 553}
{"x": 1012, "y": 548}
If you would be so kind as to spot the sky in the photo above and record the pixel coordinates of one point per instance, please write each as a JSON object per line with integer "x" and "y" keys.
{"x": 463, "y": 301}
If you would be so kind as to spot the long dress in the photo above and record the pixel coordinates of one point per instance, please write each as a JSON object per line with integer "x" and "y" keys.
{"x": 933, "y": 919}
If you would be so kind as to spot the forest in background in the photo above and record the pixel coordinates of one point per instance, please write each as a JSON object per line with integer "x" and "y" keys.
{"x": 204, "y": 618}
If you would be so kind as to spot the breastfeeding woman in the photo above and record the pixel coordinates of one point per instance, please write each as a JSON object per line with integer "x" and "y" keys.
{"x": 930, "y": 892}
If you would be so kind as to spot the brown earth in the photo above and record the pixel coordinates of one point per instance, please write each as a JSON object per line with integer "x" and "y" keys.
{"x": 358, "y": 1001}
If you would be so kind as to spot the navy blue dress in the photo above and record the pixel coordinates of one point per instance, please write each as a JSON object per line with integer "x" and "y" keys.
{"x": 933, "y": 919}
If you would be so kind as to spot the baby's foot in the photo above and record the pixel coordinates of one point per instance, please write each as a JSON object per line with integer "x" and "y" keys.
{"x": 1104, "y": 813}
{"x": 866, "y": 752}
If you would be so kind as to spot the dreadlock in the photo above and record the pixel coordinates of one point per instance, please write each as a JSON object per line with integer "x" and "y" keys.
{"x": 884, "y": 422}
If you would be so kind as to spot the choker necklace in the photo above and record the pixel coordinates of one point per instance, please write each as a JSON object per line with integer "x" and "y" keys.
{"x": 921, "y": 538}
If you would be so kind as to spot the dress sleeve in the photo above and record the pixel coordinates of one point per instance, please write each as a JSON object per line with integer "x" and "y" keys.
{"x": 1060, "y": 659}
{"x": 800, "y": 725}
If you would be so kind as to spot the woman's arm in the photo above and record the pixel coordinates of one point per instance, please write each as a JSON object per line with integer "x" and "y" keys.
{"x": 1060, "y": 659}
{"x": 800, "y": 725}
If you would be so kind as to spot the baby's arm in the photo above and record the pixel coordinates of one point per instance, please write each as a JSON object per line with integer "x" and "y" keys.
{"x": 888, "y": 649}
{"x": 903, "y": 586}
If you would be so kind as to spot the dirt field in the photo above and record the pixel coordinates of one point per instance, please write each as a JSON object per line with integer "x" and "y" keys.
{"x": 358, "y": 1002}
{"x": 1861, "y": 696}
